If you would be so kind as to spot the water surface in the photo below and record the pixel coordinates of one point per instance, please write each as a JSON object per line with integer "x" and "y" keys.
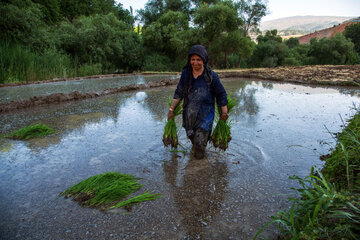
{"x": 277, "y": 131}
{"x": 8, "y": 94}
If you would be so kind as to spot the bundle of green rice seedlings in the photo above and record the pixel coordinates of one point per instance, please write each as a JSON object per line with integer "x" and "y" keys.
{"x": 32, "y": 131}
{"x": 221, "y": 135}
{"x": 170, "y": 131}
{"x": 108, "y": 190}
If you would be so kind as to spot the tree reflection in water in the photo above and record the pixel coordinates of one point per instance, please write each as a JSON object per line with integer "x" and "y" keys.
{"x": 200, "y": 194}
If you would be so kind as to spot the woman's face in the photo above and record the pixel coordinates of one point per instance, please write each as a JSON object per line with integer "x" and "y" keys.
{"x": 196, "y": 62}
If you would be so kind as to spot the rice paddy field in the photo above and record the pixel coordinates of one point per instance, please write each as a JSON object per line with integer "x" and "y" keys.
{"x": 277, "y": 130}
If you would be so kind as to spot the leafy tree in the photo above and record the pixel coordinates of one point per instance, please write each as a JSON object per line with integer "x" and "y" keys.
{"x": 216, "y": 23}
{"x": 292, "y": 42}
{"x": 71, "y": 9}
{"x": 21, "y": 21}
{"x": 251, "y": 12}
{"x": 335, "y": 50}
{"x": 154, "y": 9}
{"x": 100, "y": 39}
{"x": 270, "y": 51}
{"x": 298, "y": 55}
{"x": 353, "y": 32}
{"x": 50, "y": 10}
{"x": 164, "y": 35}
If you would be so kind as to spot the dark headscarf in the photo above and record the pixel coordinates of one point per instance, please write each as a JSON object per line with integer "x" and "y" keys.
{"x": 199, "y": 50}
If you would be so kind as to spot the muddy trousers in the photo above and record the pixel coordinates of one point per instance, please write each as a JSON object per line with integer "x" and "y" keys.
{"x": 199, "y": 141}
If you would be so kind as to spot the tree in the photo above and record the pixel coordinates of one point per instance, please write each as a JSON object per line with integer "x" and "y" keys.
{"x": 154, "y": 9}
{"x": 22, "y": 22}
{"x": 292, "y": 42}
{"x": 216, "y": 23}
{"x": 251, "y": 12}
{"x": 100, "y": 39}
{"x": 335, "y": 50}
{"x": 353, "y": 33}
{"x": 270, "y": 51}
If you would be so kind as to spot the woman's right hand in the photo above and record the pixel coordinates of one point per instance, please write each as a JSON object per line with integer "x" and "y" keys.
{"x": 170, "y": 114}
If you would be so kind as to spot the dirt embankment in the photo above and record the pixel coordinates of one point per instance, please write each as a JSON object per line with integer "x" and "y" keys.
{"x": 340, "y": 75}
{"x": 345, "y": 75}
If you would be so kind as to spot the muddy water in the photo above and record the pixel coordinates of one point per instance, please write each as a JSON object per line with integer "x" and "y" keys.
{"x": 277, "y": 131}
{"x": 8, "y": 94}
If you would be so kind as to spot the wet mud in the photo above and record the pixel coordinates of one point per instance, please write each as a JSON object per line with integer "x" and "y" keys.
{"x": 335, "y": 75}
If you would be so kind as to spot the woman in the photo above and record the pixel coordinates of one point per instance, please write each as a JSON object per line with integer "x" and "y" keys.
{"x": 198, "y": 87}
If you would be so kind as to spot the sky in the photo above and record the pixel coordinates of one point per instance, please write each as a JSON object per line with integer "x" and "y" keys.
{"x": 288, "y": 8}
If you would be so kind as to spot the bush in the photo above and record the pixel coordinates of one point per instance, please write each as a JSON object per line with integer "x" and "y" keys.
{"x": 156, "y": 62}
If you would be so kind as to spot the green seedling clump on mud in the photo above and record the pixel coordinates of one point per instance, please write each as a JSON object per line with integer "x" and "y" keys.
{"x": 170, "y": 136}
{"x": 221, "y": 135}
{"x": 107, "y": 190}
{"x": 32, "y": 131}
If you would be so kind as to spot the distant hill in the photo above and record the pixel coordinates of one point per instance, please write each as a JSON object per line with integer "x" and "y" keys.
{"x": 300, "y": 25}
{"x": 328, "y": 32}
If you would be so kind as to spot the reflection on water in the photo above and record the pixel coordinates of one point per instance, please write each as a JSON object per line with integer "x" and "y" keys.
{"x": 227, "y": 196}
{"x": 200, "y": 193}
{"x": 88, "y": 85}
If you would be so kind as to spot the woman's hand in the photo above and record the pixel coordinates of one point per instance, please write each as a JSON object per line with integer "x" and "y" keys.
{"x": 224, "y": 113}
{"x": 224, "y": 116}
{"x": 170, "y": 114}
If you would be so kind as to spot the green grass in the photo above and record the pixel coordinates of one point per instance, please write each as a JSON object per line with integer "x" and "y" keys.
{"x": 320, "y": 212}
{"x": 221, "y": 135}
{"x": 32, "y": 131}
{"x": 19, "y": 64}
{"x": 343, "y": 164}
{"x": 170, "y": 130}
{"x": 328, "y": 202}
{"x": 108, "y": 190}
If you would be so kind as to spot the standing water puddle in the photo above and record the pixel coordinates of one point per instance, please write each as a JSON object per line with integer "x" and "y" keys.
{"x": 8, "y": 94}
{"x": 277, "y": 131}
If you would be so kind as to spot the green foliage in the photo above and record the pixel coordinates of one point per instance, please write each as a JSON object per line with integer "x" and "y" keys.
{"x": 221, "y": 135}
{"x": 154, "y": 9}
{"x": 320, "y": 212}
{"x": 100, "y": 39}
{"x": 352, "y": 32}
{"x": 19, "y": 64}
{"x": 170, "y": 130}
{"x": 32, "y": 131}
{"x": 270, "y": 51}
{"x": 107, "y": 190}
{"x": 342, "y": 166}
{"x": 166, "y": 35}
{"x": 251, "y": 12}
{"x": 292, "y": 42}
{"x": 21, "y": 21}
{"x": 216, "y": 19}
{"x": 335, "y": 50}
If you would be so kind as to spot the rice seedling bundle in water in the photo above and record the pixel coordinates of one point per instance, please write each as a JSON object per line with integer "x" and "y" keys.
{"x": 221, "y": 135}
{"x": 170, "y": 131}
{"x": 32, "y": 131}
{"x": 107, "y": 190}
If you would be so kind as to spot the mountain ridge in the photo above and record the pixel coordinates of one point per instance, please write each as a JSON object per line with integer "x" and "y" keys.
{"x": 301, "y": 25}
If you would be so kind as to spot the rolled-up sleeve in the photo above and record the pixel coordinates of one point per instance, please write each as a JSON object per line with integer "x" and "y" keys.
{"x": 219, "y": 91}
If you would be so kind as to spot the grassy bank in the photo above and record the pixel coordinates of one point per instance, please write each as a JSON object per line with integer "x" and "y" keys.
{"x": 328, "y": 202}
{"x": 19, "y": 64}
